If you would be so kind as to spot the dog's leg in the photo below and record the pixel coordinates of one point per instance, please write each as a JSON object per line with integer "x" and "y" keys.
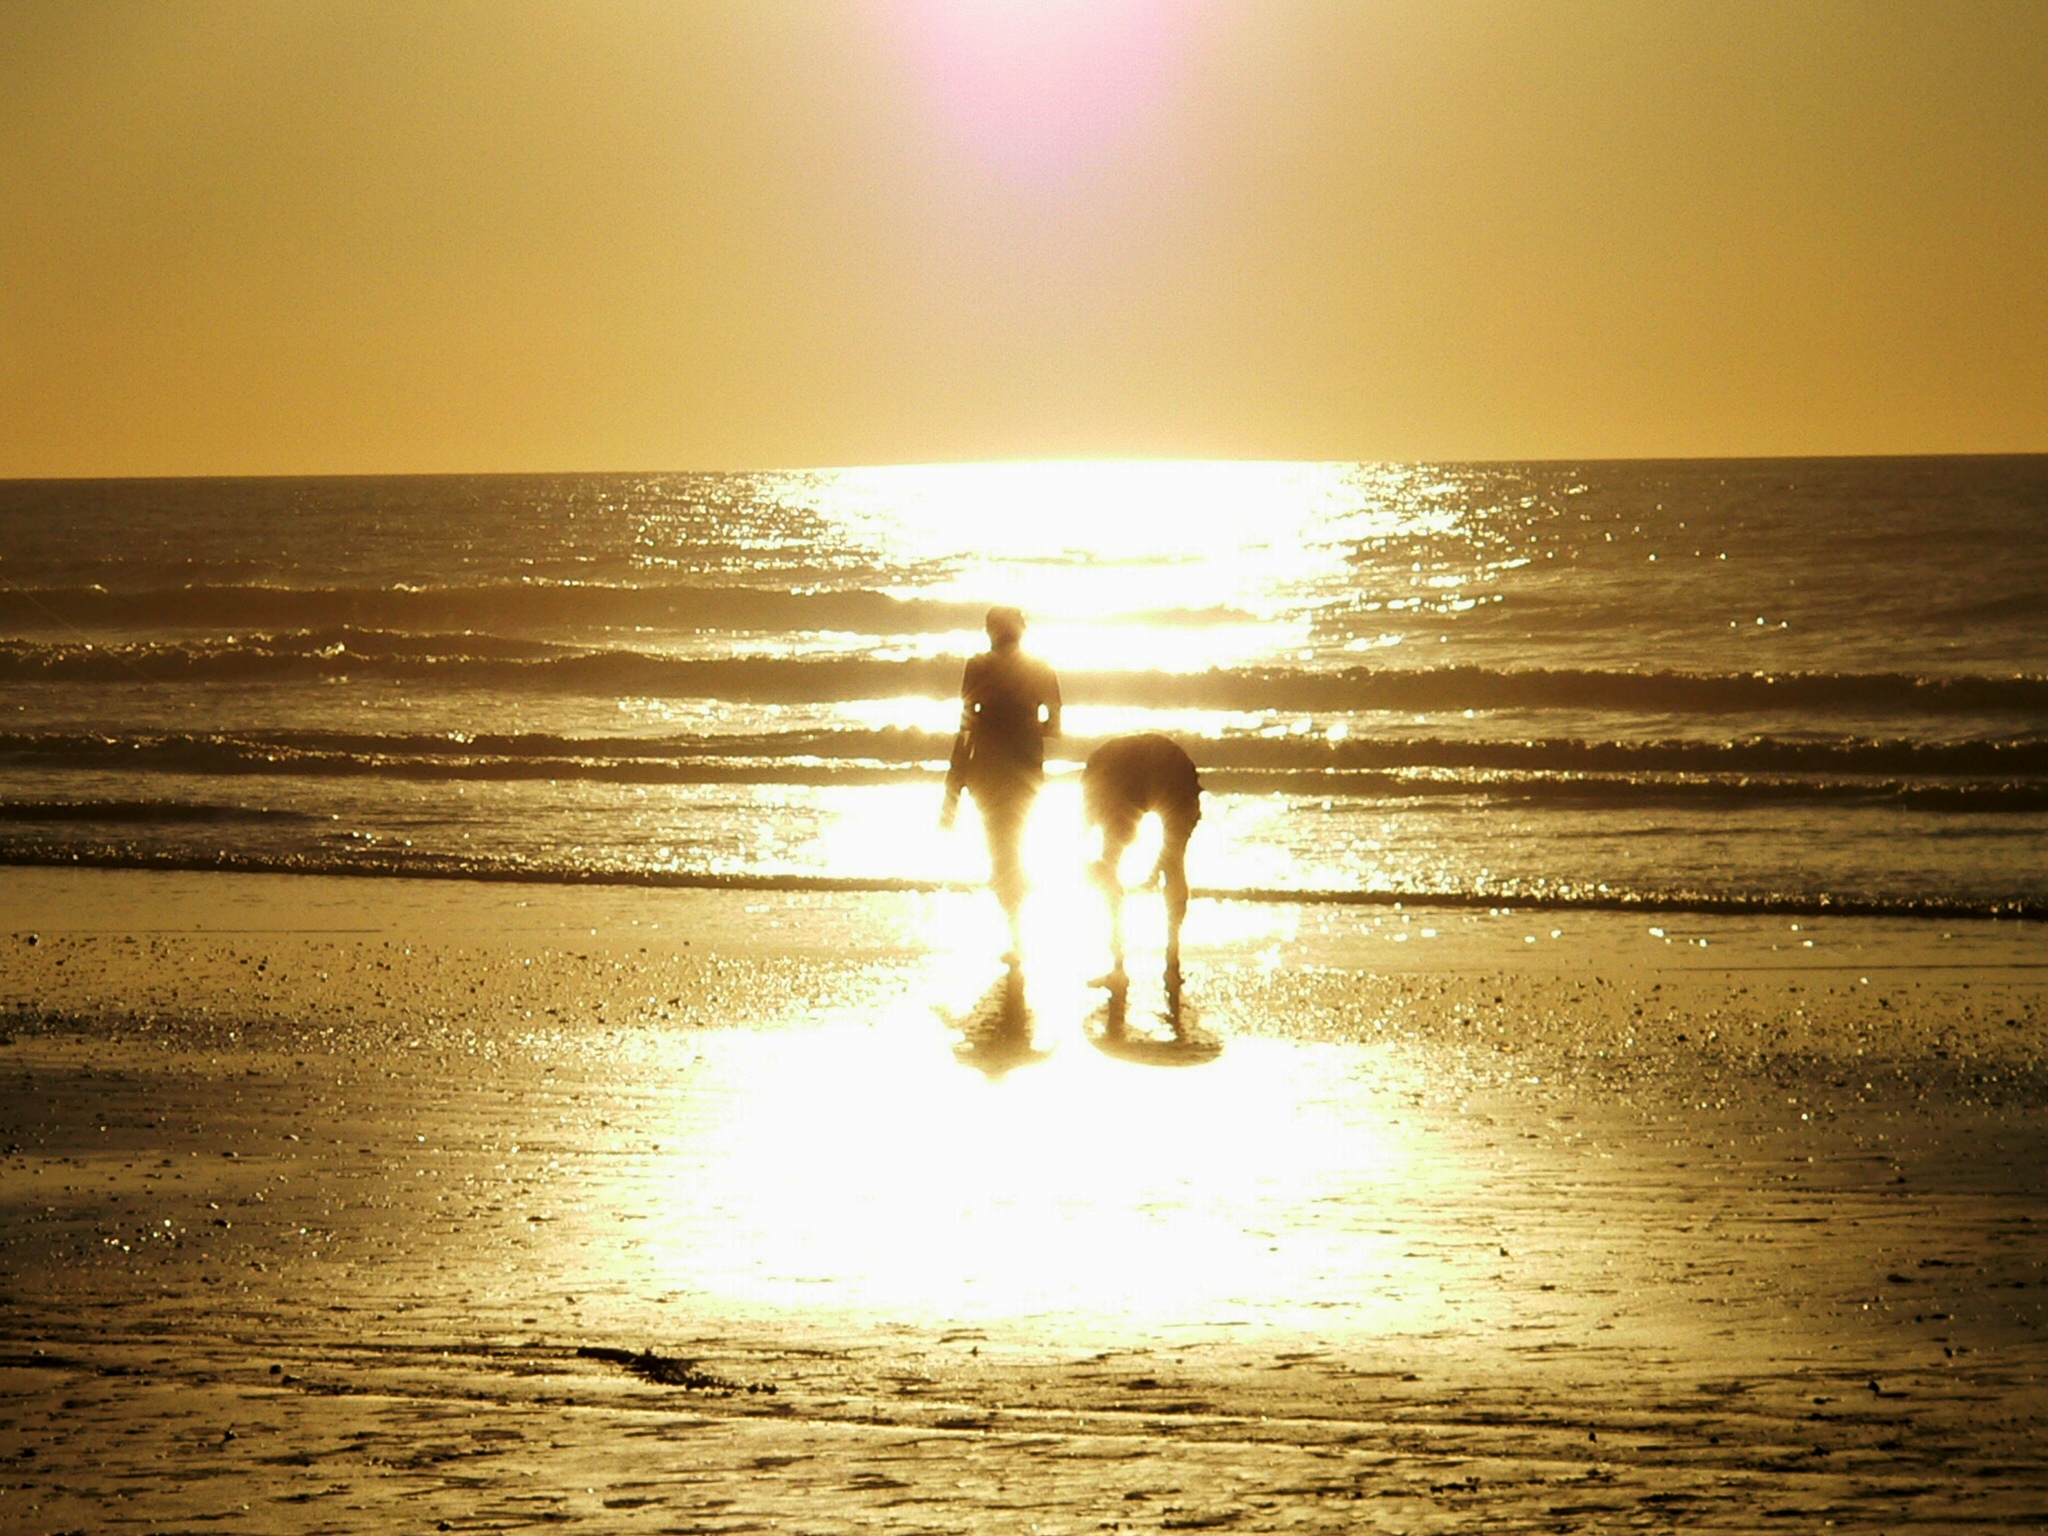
{"x": 1108, "y": 876}
{"x": 1173, "y": 865}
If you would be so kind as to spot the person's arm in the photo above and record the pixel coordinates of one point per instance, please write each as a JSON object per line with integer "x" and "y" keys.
{"x": 956, "y": 780}
{"x": 1052, "y": 702}
{"x": 956, "y": 769}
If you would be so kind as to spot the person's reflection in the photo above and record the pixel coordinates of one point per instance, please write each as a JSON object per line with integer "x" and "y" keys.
{"x": 995, "y": 1034}
{"x": 1186, "y": 1043}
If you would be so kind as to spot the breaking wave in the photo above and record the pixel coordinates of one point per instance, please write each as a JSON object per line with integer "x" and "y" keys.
{"x": 1987, "y": 775}
{"x": 491, "y": 661}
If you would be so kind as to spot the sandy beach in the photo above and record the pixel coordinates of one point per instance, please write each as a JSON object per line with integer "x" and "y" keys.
{"x": 350, "y": 1204}
{"x": 521, "y": 524}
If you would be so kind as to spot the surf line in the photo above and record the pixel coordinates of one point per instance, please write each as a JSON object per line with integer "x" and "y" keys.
{"x": 84, "y": 638}
{"x": 1821, "y": 904}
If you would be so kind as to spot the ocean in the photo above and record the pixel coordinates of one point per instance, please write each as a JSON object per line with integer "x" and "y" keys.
{"x": 1810, "y": 686}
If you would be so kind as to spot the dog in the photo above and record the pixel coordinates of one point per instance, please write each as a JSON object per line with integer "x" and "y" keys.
{"x": 1126, "y": 779}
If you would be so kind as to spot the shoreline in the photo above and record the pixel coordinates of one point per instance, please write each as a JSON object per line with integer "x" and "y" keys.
{"x": 321, "y": 1195}
{"x": 1561, "y": 901}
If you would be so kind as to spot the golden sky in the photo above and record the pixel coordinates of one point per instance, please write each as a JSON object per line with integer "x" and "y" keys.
{"x": 301, "y": 237}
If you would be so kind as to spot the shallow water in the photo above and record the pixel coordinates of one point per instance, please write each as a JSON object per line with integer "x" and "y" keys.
{"x": 1808, "y": 684}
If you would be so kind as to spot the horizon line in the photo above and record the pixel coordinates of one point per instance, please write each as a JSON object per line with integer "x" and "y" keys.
{"x": 1077, "y": 459}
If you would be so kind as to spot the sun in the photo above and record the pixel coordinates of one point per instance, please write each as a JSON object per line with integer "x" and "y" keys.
{"x": 1037, "y": 90}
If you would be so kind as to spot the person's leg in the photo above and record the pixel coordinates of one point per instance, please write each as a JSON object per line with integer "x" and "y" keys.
{"x": 1002, "y": 817}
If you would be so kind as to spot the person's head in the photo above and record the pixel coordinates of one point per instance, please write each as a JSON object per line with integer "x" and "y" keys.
{"x": 1005, "y": 628}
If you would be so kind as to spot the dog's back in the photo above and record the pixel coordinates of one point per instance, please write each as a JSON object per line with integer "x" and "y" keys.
{"x": 1128, "y": 776}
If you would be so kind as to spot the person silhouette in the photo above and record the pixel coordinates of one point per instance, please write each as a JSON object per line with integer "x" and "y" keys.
{"x": 1009, "y": 705}
{"x": 1124, "y": 780}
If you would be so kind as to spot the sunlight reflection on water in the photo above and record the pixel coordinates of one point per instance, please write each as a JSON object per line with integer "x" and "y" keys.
{"x": 1169, "y": 566}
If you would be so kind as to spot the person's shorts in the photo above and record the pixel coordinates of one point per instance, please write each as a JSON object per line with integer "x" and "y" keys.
{"x": 1004, "y": 795}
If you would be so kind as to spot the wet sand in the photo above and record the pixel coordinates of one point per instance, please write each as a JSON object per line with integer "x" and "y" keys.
{"x": 359, "y": 1205}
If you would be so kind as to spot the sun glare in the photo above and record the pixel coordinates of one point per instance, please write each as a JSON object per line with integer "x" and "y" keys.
{"x": 1147, "y": 512}
{"x": 1157, "y": 566}
{"x": 1084, "y": 1188}
{"x": 1038, "y": 89}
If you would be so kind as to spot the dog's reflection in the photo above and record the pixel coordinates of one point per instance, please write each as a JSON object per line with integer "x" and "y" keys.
{"x": 1186, "y": 1043}
{"x": 996, "y": 1033}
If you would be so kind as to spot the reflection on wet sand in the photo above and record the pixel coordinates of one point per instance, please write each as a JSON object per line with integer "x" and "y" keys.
{"x": 996, "y": 1032}
{"x": 1185, "y": 1043}
{"x": 999, "y": 1031}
